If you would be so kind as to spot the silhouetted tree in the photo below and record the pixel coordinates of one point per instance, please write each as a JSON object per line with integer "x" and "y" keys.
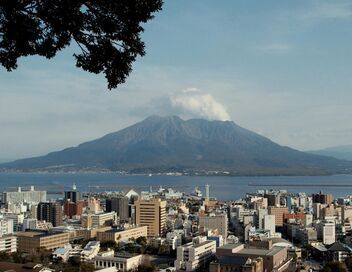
{"x": 106, "y": 31}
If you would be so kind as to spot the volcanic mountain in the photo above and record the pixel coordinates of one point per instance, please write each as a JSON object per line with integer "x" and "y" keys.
{"x": 169, "y": 144}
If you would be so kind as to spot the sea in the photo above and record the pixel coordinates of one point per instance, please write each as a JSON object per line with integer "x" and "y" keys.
{"x": 223, "y": 187}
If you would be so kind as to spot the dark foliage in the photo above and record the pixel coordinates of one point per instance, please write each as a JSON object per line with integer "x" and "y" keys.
{"x": 335, "y": 267}
{"x": 106, "y": 31}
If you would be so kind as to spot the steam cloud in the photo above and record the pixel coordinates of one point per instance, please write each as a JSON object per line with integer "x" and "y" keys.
{"x": 195, "y": 103}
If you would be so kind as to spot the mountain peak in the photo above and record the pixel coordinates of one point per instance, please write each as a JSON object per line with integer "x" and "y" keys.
{"x": 169, "y": 143}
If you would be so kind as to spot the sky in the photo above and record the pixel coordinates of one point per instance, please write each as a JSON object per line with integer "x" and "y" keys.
{"x": 279, "y": 68}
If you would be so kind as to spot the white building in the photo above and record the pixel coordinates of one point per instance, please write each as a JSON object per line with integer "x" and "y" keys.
{"x": 121, "y": 262}
{"x": 62, "y": 253}
{"x": 31, "y": 197}
{"x": 6, "y": 226}
{"x": 17, "y": 220}
{"x": 192, "y": 255}
{"x": 269, "y": 223}
{"x": 29, "y": 224}
{"x": 90, "y": 251}
{"x": 327, "y": 232}
{"x": 8, "y": 243}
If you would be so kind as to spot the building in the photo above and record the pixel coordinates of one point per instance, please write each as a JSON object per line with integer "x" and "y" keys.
{"x": 94, "y": 205}
{"x": 96, "y": 220}
{"x": 32, "y": 241}
{"x": 322, "y": 198}
{"x": 269, "y": 223}
{"x": 90, "y": 251}
{"x": 195, "y": 254}
{"x": 120, "y": 205}
{"x": 279, "y": 214}
{"x": 62, "y": 253}
{"x": 31, "y": 196}
{"x": 306, "y": 235}
{"x": 122, "y": 262}
{"x": 151, "y": 213}
{"x": 8, "y": 243}
{"x": 243, "y": 264}
{"x": 212, "y": 222}
{"x": 6, "y": 226}
{"x": 326, "y": 232}
{"x": 260, "y": 218}
{"x": 274, "y": 257}
{"x": 339, "y": 251}
{"x": 123, "y": 235}
{"x": 88, "y": 234}
{"x": 17, "y": 220}
{"x": 27, "y": 267}
{"x": 50, "y": 212}
{"x": 273, "y": 199}
{"x": 72, "y": 195}
{"x": 72, "y": 209}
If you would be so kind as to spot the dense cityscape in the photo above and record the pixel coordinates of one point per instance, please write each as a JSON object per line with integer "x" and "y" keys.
{"x": 169, "y": 230}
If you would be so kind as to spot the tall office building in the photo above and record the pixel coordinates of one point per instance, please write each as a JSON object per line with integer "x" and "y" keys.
{"x": 151, "y": 213}
{"x": 50, "y": 212}
{"x": 72, "y": 195}
{"x": 120, "y": 205}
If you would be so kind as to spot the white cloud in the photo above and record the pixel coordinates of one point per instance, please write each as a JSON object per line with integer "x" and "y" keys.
{"x": 193, "y": 102}
{"x": 329, "y": 10}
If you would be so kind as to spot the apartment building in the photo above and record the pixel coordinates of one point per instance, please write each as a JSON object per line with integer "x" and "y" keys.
{"x": 192, "y": 255}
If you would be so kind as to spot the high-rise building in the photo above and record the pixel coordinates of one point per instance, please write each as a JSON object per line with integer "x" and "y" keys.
{"x": 269, "y": 223}
{"x": 30, "y": 196}
{"x": 72, "y": 195}
{"x": 279, "y": 214}
{"x": 322, "y": 198}
{"x": 326, "y": 232}
{"x": 260, "y": 218}
{"x": 151, "y": 213}
{"x": 120, "y": 205}
{"x": 73, "y": 208}
{"x": 50, "y": 212}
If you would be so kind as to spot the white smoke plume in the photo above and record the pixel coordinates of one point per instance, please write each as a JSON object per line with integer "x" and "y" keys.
{"x": 197, "y": 104}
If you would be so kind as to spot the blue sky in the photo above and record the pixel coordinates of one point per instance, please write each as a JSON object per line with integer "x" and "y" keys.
{"x": 279, "y": 68}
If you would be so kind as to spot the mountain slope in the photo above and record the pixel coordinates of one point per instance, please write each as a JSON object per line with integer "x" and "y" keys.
{"x": 161, "y": 144}
{"x": 343, "y": 152}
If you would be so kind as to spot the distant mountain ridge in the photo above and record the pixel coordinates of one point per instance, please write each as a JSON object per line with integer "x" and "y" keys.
{"x": 343, "y": 152}
{"x": 165, "y": 144}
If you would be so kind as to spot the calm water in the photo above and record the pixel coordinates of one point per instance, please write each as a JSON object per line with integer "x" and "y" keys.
{"x": 224, "y": 188}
